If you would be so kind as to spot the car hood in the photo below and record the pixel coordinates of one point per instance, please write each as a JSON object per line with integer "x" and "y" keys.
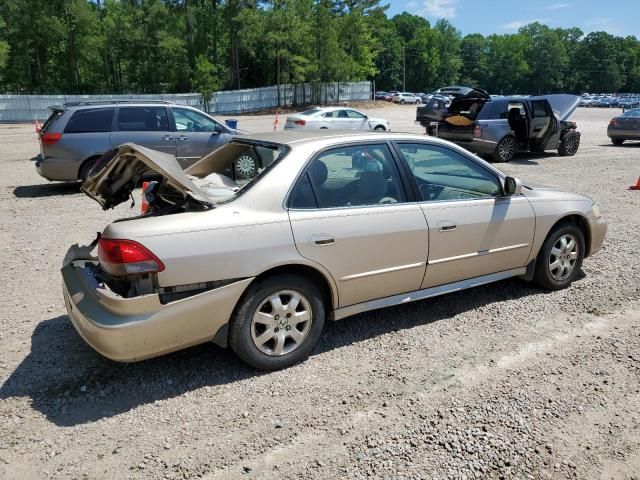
{"x": 118, "y": 172}
{"x": 563, "y": 105}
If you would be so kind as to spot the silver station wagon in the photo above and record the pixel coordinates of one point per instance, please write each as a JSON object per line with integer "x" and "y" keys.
{"x": 334, "y": 224}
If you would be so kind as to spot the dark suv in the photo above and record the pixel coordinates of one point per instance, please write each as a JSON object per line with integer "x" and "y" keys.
{"x": 502, "y": 126}
{"x": 76, "y": 134}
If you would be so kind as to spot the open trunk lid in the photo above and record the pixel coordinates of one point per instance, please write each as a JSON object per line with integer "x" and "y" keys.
{"x": 118, "y": 172}
{"x": 436, "y": 109}
{"x": 563, "y": 105}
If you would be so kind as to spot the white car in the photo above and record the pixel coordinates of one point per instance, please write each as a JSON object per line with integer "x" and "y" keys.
{"x": 405, "y": 97}
{"x": 339, "y": 118}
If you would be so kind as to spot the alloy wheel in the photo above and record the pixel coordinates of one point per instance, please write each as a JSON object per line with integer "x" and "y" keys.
{"x": 507, "y": 148}
{"x": 571, "y": 144}
{"x": 281, "y": 323}
{"x": 563, "y": 257}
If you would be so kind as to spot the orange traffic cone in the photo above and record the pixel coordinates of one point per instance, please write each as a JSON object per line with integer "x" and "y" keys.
{"x": 144, "y": 205}
{"x": 275, "y": 122}
{"x": 636, "y": 186}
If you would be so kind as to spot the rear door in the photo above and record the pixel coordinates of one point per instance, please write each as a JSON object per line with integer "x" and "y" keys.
{"x": 196, "y": 135}
{"x": 147, "y": 126}
{"x": 349, "y": 213}
{"x": 543, "y": 124}
{"x": 473, "y": 229}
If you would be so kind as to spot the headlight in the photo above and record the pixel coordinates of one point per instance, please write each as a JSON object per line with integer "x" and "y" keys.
{"x": 595, "y": 208}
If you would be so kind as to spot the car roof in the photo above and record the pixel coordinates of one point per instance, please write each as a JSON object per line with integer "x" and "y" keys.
{"x": 295, "y": 137}
{"x": 112, "y": 103}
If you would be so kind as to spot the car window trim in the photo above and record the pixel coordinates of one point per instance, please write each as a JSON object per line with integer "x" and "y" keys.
{"x": 219, "y": 129}
{"x": 74, "y": 112}
{"x": 305, "y": 168}
{"x": 414, "y": 182}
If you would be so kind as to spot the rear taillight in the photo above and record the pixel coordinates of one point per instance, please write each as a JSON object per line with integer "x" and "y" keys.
{"x": 477, "y": 132}
{"x": 300, "y": 122}
{"x": 50, "y": 138}
{"x": 126, "y": 257}
{"x": 613, "y": 122}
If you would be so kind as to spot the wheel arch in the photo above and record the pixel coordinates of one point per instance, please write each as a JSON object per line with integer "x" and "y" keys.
{"x": 90, "y": 158}
{"x": 581, "y": 222}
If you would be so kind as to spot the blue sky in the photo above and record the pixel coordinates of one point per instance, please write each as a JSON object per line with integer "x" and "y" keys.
{"x": 618, "y": 17}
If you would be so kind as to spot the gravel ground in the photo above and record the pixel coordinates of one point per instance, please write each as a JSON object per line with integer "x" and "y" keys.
{"x": 503, "y": 381}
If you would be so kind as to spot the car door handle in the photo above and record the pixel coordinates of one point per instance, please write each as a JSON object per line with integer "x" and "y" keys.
{"x": 322, "y": 239}
{"x": 447, "y": 227}
{"x": 167, "y": 138}
{"x": 183, "y": 138}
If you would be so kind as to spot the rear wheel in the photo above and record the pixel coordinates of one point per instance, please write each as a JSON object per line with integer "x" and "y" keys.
{"x": 401, "y": 102}
{"x": 505, "y": 150}
{"x": 560, "y": 257}
{"x": 617, "y": 141}
{"x": 569, "y": 144}
{"x": 86, "y": 169}
{"x": 379, "y": 128}
{"x": 278, "y": 322}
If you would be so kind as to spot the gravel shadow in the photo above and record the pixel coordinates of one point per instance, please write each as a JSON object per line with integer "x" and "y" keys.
{"x": 47, "y": 190}
{"x": 626, "y": 144}
{"x": 71, "y": 384}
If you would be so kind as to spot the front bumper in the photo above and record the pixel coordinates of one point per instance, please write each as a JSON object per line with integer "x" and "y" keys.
{"x": 132, "y": 329}
{"x": 598, "y": 232}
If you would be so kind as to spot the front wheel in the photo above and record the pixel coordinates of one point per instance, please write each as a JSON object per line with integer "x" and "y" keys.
{"x": 560, "y": 257}
{"x": 379, "y": 128}
{"x": 402, "y": 102}
{"x": 569, "y": 144}
{"x": 278, "y": 322}
{"x": 505, "y": 150}
{"x": 617, "y": 141}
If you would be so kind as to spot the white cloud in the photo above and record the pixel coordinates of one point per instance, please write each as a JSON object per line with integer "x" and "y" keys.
{"x": 438, "y": 8}
{"x": 605, "y": 24}
{"x": 517, "y": 24}
{"x": 412, "y": 5}
{"x": 557, "y": 6}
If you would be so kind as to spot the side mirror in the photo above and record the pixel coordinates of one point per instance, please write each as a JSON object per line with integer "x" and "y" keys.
{"x": 512, "y": 186}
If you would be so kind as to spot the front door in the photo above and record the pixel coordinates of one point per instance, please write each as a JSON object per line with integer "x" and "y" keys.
{"x": 146, "y": 126}
{"x": 349, "y": 213}
{"x": 196, "y": 135}
{"x": 473, "y": 229}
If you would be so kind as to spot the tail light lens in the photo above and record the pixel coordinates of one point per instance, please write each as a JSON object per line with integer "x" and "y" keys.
{"x": 613, "y": 122}
{"x": 50, "y": 138}
{"x": 300, "y": 122}
{"x": 126, "y": 257}
{"x": 477, "y": 132}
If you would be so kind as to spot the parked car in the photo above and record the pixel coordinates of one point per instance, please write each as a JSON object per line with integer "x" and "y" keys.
{"x": 341, "y": 118}
{"x": 625, "y": 127}
{"x": 335, "y": 225}
{"x": 76, "y": 134}
{"x": 390, "y": 95}
{"x": 406, "y": 97}
{"x": 630, "y": 102}
{"x": 502, "y": 127}
{"x": 380, "y": 95}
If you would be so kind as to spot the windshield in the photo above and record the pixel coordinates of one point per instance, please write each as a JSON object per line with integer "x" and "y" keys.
{"x": 227, "y": 172}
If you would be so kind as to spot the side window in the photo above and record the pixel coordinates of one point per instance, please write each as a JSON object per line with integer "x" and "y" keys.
{"x": 444, "y": 174}
{"x": 342, "y": 114}
{"x": 539, "y": 109}
{"x": 349, "y": 176}
{"x": 90, "y": 121}
{"x": 143, "y": 119}
{"x": 332, "y": 114}
{"x": 190, "y": 121}
{"x": 355, "y": 115}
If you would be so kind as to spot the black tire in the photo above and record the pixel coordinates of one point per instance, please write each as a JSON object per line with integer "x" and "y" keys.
{"x": 617, "y": 141}
{"x": 543, "y": 275}
{"x": 505, "y": 150}
{"x": 241, "y": 327}
{"x": 246, "y": 166}
{"x": 569, "y": 144}
{"x": 379, "y": 128}
{"x": 402, "y": 102}
{"x": 86, "y": 167}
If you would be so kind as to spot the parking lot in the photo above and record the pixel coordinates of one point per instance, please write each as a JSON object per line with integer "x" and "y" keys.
{"x": 504, "y": 380}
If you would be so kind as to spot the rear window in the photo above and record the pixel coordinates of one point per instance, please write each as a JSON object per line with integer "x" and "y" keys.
{"x": 50, "y": 121}
{"x": 90, "y": 120}
{"x": 313, "y": 111}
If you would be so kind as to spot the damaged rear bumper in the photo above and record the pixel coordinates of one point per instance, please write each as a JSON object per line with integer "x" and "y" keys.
{"x": 132, "y": 329}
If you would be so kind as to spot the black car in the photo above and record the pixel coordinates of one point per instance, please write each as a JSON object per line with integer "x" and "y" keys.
{"x": 502, "y": 126}
{"x": 625, "y": 127}
{"x": 380, "y": 95}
